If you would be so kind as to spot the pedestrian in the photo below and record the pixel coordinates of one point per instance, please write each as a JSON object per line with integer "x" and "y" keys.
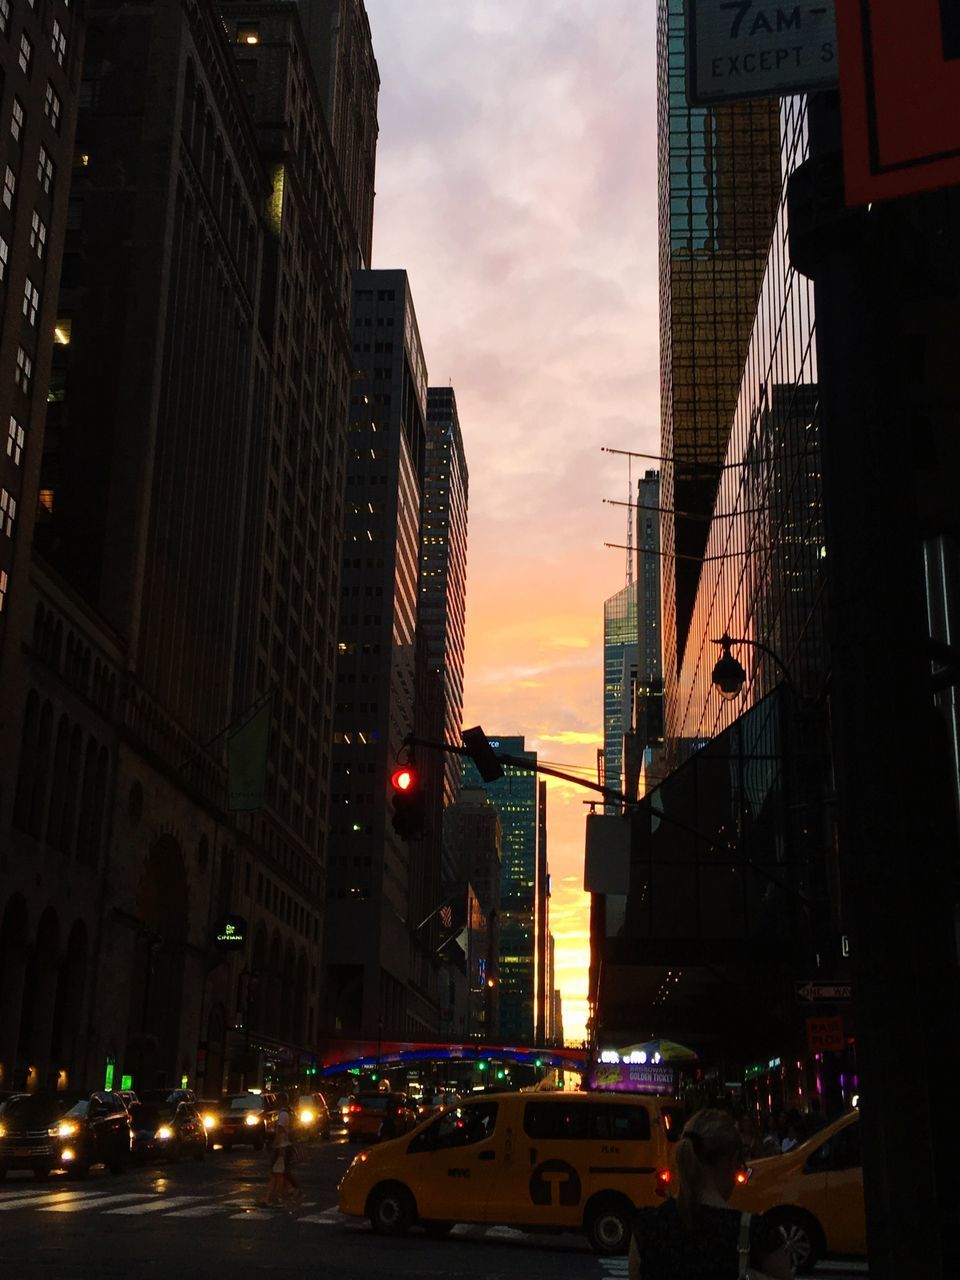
{"x": 697, "y": 1236}
{"x": 793, "y": 1133}
{"x": 282, "y": 1154}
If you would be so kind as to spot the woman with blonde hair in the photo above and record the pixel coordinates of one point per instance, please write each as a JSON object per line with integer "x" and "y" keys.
{"x": 697, "y": 1236}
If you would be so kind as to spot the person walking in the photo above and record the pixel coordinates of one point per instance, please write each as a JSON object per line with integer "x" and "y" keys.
{"x": 281, "y": 1158}
{"x": 697, "y": 1236}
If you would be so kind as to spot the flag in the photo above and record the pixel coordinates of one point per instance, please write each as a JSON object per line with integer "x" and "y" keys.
{"x": 247, "y": 747}
{"x": 446, "y": 916}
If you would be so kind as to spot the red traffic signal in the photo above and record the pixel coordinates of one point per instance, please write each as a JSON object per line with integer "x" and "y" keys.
{"x": 409, "y": 803}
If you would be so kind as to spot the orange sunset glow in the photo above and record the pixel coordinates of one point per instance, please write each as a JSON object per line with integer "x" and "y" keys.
{"x": 531, "y": 251}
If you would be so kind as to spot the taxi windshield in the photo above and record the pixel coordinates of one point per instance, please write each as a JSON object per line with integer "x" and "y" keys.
{"x": 246, "y": 1102}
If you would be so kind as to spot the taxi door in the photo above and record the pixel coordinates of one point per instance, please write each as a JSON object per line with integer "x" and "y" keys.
{"x": 844, "y": 1219}
{"x": 542, "y": 1181}
{"x": 451, "y": 1165}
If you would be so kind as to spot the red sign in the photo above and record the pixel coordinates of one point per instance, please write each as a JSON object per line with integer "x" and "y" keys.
{"x": 899, "y": 92}
{"x": 825, "y": 1034}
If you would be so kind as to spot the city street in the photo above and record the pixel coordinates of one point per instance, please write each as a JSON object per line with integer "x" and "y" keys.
{"x": 198, "y": 1219}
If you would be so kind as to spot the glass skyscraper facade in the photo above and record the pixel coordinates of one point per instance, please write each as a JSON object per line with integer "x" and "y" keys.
{"x": 515, "y": 797}
{"x": 719, "y": 184}
{"x": 764, "y": 576}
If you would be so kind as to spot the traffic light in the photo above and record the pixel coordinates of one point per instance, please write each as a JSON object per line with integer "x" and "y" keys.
{"x": 408, "y": 803}
{"x": 482, "y": 1065}
{"x": 482, "y": 754}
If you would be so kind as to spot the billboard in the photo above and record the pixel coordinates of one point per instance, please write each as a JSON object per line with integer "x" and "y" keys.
{"x": 755, "y": 49}
{"x": 899, "y": 89}
{"x": 633, "y": 1077}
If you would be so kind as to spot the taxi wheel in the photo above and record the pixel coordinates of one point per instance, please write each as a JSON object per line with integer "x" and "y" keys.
{"x": 607, "y": 1224}
{"x": 801, "y": 1234}
{"x": 391, "y": 1210}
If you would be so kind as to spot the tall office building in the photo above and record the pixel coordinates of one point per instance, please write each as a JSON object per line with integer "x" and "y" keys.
{"x": 371, "y": 969}
{"x": 719, "y": 183}
{"x": 632, "y": 668}
{"x": 341, "y": 51}
{"x": 188, "y": 505}
{"x": 515, "y": 796}
{"x": 443, "y": 575}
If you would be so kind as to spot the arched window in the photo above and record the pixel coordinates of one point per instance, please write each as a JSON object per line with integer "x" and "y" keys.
{"x": 87, "y": 787}
{"x": 41, "y": 777}
{"x": 58, "y": 784}
{"x": 28, "y": 762}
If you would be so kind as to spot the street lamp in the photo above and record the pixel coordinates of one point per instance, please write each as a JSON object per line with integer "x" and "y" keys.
{"x": 729, "y": 675}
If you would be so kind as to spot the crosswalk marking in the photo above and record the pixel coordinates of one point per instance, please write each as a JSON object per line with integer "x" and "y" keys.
{"x": 205, "y": 1210}
{"x": 158, "y": 1206}
{"x": 74, "y": 1205}
{"x": 50, "y": 1197}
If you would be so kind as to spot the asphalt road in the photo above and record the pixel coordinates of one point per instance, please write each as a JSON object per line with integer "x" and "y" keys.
{"x": 193, "y": 1219}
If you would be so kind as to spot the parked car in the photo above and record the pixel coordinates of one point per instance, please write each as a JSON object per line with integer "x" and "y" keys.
{"x": 813, "y": 1194}
{"x": 311, "y": 1117}
{"x": 559, "y": 1162}
{"x": 379, "y": 1116}
{"x": 246, "y": 1119}
{"x": 167, "y": 1131}
{"x": 65, "y": 1130}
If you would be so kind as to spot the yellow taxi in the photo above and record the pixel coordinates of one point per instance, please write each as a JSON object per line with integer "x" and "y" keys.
{"x": 549, "y": 1161}
{"x": 814, "y": 1194}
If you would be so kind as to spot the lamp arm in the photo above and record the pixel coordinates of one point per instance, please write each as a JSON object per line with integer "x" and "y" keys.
{"x": 728, "y": 641}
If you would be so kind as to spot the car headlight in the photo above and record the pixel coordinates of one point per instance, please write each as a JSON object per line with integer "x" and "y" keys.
{"x": 164, "y": 1133}
{"x": 3, "y": 1132}
{"x": 307, "y": 1116}
{"x": 209, "y": 1121}
{"x": 251, "y": 1119}
{"x": 66, "y": 1129}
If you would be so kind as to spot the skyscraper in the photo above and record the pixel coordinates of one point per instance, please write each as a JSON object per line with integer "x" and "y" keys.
{"x": 515, "y": 796}
{"x": 619, "y": 659}
{"x": 719, "y": 183}
{"x": 443, "y": 574}
{"x": 373, "y": 874}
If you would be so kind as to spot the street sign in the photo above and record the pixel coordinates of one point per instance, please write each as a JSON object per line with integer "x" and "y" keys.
{"x": 899, "y": 87}
{"x": 824, "y": 1035}
{"x": 830, "y": 992}
{"x": 758, "y": 49}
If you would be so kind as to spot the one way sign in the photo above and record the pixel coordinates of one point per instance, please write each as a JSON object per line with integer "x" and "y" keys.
{"x": 815, "y": 992}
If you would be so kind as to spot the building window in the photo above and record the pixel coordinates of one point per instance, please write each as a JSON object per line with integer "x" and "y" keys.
{"x": 248, "y": 33}
{"x": 38, "y": 235}
{"x": 8, "y": 512}
{"x": 9, "y": 187}
{"x": 4, "y": 581}
{"x": 15, "y": 438}
{"x": 63, "y": 331}
{"x": 4, "y": 16}
{"x": 58, "y": 42}
{"x": 31, "y": 301}
{"x": 16, "y": 119}
{"x": 52, "y": 107}
{"x": 24, "y": 371}
{"x": 4, "y": 258}
{"x": 45, "y": 170}
{"x": 25, "y": 57}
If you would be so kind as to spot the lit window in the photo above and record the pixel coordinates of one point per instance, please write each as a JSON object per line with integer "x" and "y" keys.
{"x": 248, "y": 34}
{"x": 4, "y": 258}
{"x": 25, "y": 56}
{"x": 62, "y": 331}
{"x": 58, "y": 42}
{"x": 24, "y": 371}
{"x": 15, "y": 437}
{"x": 8, "y": 512}
{"x": 9, "y": 187}
{"x": 4, "y": 16}
{"x": 38, "y": 235}
{"x": 31, "y": 301}
{"x": 45, "y": 499}
{"x": 52, "y": 105}
{"x": 16, "y": 119}
{"x": 4, "y": 581}
{"x": 45, "y": 170}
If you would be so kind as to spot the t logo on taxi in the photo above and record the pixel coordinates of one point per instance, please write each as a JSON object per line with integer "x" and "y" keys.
{"x": 555, "y": 1182}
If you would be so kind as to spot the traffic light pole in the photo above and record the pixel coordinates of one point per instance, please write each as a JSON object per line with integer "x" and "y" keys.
{"x": 518, "y": 762}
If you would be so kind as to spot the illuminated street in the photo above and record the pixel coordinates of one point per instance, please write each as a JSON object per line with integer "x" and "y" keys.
{"x": 193, "y": 1219}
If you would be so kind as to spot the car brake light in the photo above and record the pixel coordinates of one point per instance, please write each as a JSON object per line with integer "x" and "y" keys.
{"x": 354, "y": 1108}
{"x": 743, "y": 1176}
{"x": 664, "y": 1178}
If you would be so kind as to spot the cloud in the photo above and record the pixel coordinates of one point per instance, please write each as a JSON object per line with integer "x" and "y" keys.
{"x": 516, "y": 182}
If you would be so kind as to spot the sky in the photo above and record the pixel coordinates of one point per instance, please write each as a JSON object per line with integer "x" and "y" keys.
{"x": 516, "y": 184}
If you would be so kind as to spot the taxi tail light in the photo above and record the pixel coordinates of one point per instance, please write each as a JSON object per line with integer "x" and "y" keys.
{"x": 664, "y": 1179}
{"x": 744, "y": 1176}
{"x": 354, "y": 1108}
